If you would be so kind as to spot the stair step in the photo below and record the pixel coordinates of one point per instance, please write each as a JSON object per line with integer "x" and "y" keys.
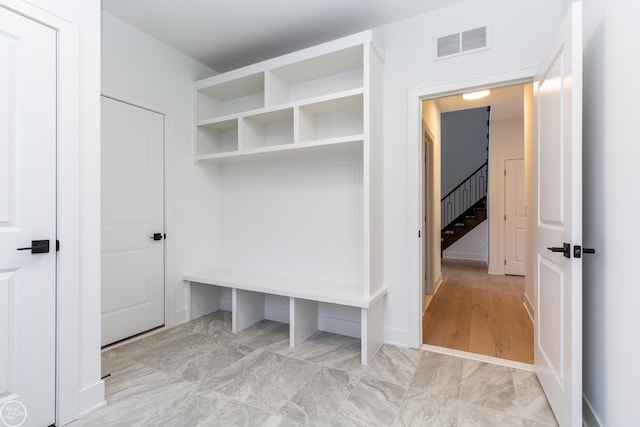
{"x": 459, "y": 224}
{"x": 448, "y": 232}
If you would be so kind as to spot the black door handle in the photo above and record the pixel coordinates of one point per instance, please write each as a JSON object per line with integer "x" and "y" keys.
{"x": 156, "y": 236}
{"x": 37, "y": 247}
{"x": 565, "y": 249}
{"x": 578, "y": 251}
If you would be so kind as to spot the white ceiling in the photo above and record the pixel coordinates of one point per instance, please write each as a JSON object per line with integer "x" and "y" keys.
{"x": 506, "y": 103}
{"x": 227, "y": 34}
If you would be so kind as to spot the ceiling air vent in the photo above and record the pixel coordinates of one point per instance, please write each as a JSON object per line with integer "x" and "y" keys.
{"x": 463, "y": 42}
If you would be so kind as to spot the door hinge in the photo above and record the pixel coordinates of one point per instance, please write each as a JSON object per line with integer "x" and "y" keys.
{"x": 505, "y": 217}
{"x": 57, "y": 245}
{"x": 505, "y": 172}
{"x": 418, "y": 233}
{"x": 505, "y": 262}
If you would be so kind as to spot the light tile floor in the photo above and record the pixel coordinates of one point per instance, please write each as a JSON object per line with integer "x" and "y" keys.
{"x": 200, "y": 374}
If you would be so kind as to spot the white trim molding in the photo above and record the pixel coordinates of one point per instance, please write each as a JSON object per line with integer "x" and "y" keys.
{"x": 589, "y": 417}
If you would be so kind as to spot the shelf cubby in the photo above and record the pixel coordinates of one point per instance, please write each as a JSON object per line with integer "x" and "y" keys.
{"x": 217, "y": 137}
{"x": 332, "y": 72}
{"x": 333, "y": 118}
{"x": 230, "y": 97}
{"x": 267, "y": 129}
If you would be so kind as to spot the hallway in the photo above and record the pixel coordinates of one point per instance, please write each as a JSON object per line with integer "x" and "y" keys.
{"x": 480, "y": 313}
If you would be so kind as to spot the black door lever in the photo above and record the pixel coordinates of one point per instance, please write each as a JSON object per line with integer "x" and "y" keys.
{"x": 37, "y": 247}
{"x": 565, "y": 249}
{"x": 578, "y": 251}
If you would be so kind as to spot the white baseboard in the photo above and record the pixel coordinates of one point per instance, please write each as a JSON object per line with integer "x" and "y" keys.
{"x": 225, "y": 304}
{"x": 339, "y": 326}
{"x": 529, "y": 307}
{"x": 91, "y": 398}
{"x": 589, "y": 417}
{"x": 437, "y": 283}
{"x": 467, "y": 256}
{"x": 277, "y": 314}
{"x": 179, "y": 317}
{"x": 496, "y": 269}
{"x": 399, "y": 337}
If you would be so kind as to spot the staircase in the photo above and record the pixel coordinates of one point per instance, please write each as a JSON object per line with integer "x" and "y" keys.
{"x": 463, "y": 224}
{"x": 464, "y": 207}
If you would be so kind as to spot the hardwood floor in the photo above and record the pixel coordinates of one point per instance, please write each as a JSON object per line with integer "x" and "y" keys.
{"x": 480, "y": 313}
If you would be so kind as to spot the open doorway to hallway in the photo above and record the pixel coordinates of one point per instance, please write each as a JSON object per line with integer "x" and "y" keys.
{"x": 475, "y": 298}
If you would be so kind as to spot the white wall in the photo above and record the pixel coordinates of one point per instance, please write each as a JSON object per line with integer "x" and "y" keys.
{"x": 141, "y": 70}
{"x": 506, "y": 142}
{"x": 520, "y": 33}
{"x": 610, "y": 164}
{"x": 464, "y": 145}
{"x": 473, "y": 246}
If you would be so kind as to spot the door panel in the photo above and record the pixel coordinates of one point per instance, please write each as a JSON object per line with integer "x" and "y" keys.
{"x": 132, "y": 211}
{"x": 515, "y": 217}
{"x": 558, "y": 331}
{"x": 27, "y": 212}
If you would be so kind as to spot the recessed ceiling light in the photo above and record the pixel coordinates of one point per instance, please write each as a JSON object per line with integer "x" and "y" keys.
{"x": 476, "y": 95}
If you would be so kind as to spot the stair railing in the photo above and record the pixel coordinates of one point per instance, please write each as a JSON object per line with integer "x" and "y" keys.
{"x": 465, "y": 195}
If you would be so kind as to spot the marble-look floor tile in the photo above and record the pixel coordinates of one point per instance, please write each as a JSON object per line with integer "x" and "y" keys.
{"x": 203, "y": 368}
{"x": 138, "y": 399}
{"x": 394, "y": 365}
{"x": 264, "y": 333}
{"x": 531, "y": 423}
{"x": 263, "y": 379}
{"x": 371, "y": 403}
{"x": 420, "y": 408}
{"x": 438, "y": 374}
{"x": 280, "y": 421}
{"x": 216, "y": 325}
{"x": 531, "y": 399}
{"x": 236, "y": 414}
{"x": 171, "y": 355}
{"x": 490, "y": 386}
{"x": 187, "y": 409}
{"x": 319, "y": 399}
{"x": 477, "y": 416}
{"x": 347, "y": 357}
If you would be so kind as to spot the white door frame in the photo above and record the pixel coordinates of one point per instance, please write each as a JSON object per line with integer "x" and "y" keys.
{"x": 68, "y": 228}
{"x": 414, "y": 175}
{"x": 169, "y": 242}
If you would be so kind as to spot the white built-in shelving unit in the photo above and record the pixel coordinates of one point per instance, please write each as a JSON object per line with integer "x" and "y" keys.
{"x": 297, "y": 143}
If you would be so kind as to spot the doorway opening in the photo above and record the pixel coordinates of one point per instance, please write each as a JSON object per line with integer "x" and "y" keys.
{"x": 475, "y": 297}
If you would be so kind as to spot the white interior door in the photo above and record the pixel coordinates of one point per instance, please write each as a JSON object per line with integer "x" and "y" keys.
{"x": 132, "y": 212}
{"x": 27, "y": 213}
{"x": 558, "y": 322}
{"x": 515, "y": 219}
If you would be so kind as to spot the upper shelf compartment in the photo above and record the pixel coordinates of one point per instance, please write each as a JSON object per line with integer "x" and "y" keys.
{"x": 332, "y": 72}
{"x": 230, "y": 97}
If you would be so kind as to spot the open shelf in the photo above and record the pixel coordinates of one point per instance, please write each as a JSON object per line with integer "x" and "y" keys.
{"x": 331, "y": 72}
{"x": 332, "y": 118}
{"x": 348, "y": 148}
{"x": 268, "y": 129}
{"x": 217, "y": 137}
{"x": 229, "y": 97}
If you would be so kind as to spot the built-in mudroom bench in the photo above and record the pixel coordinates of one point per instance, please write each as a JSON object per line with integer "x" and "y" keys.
{"x": 293, "y": 148}
{"x": 248, "y": 292}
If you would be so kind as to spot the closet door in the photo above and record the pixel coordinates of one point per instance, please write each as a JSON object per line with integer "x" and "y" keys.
{"x": 132, "y": 220}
